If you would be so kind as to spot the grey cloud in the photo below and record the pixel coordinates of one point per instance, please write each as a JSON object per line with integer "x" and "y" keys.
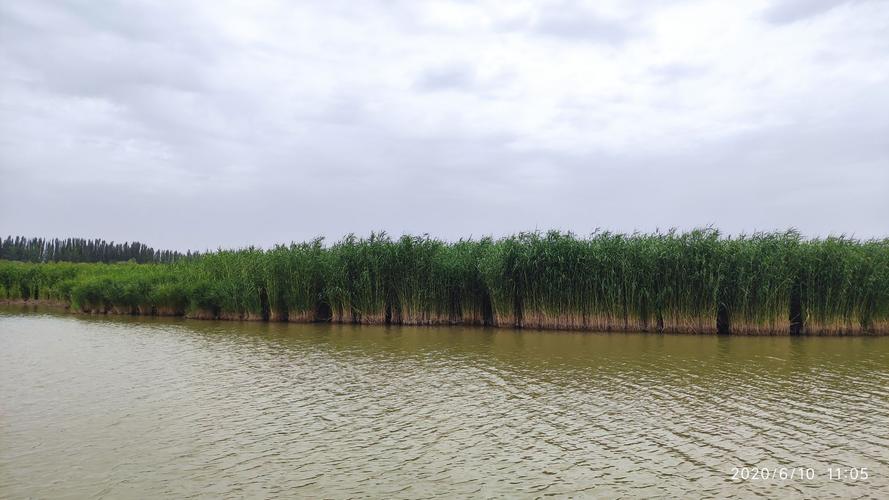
{"x": 677, "y": 71}
{"x": 132, "y": 65}
{"x": 133, "y": 21}
{"x": 448, "y": 77}
{"x": 580, "y": 25}
{"x": 463, "y": 77}
{"x": 791, "y": 11}
{"x": 573, "y": 23}
{"x": 568, "y": 20}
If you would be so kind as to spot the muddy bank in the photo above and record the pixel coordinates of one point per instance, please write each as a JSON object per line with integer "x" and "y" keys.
{"x": 35, "y": 302}
{"x": 597, "y": 323}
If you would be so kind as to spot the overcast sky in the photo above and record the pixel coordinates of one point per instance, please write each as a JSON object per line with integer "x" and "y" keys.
{"x": 205, "y": 124}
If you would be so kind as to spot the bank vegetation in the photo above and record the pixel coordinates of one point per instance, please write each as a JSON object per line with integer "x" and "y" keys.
{"x": 693, "y": 282}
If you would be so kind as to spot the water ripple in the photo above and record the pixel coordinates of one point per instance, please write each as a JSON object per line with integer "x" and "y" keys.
{"x": 116, "y": 408}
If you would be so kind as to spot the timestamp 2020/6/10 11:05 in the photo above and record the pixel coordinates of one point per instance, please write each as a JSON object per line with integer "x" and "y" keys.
{"x": 799, "y": 473}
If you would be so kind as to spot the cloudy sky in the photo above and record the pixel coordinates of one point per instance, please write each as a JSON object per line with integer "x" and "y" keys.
{"x": 200, "y": 124}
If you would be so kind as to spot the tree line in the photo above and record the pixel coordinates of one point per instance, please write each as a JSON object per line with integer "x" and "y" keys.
{"x": 25, "y": 249}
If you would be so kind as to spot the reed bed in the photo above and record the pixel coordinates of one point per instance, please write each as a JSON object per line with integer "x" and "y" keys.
{"x": 694, "y": 282}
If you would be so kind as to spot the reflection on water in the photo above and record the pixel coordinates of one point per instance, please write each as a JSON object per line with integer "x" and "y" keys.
{"x": 130, "y": 407}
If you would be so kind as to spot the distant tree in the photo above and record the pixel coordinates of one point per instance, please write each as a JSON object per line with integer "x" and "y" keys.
{"x": 83, "y": 250}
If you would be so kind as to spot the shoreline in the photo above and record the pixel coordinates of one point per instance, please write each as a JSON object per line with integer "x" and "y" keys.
{"x": 837, "y": 331}
{"x": 696, "y": 282}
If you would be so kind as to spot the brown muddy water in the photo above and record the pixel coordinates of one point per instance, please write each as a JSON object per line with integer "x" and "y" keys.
{"x": 122, "y": 407}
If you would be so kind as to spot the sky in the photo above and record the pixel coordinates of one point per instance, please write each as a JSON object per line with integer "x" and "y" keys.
{"x": 198, "y": 125}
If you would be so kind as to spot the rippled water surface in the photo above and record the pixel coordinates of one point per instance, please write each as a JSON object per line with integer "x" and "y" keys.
{"x": 143, "y": 408}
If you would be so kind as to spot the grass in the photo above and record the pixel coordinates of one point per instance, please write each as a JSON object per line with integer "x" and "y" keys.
{"x": 696, "y": 282}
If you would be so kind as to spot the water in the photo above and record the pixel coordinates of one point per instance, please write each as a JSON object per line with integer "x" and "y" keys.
{"x": 140, "y": 408}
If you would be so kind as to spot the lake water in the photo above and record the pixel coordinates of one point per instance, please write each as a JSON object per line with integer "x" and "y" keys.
{"x": 123, "y": 407}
